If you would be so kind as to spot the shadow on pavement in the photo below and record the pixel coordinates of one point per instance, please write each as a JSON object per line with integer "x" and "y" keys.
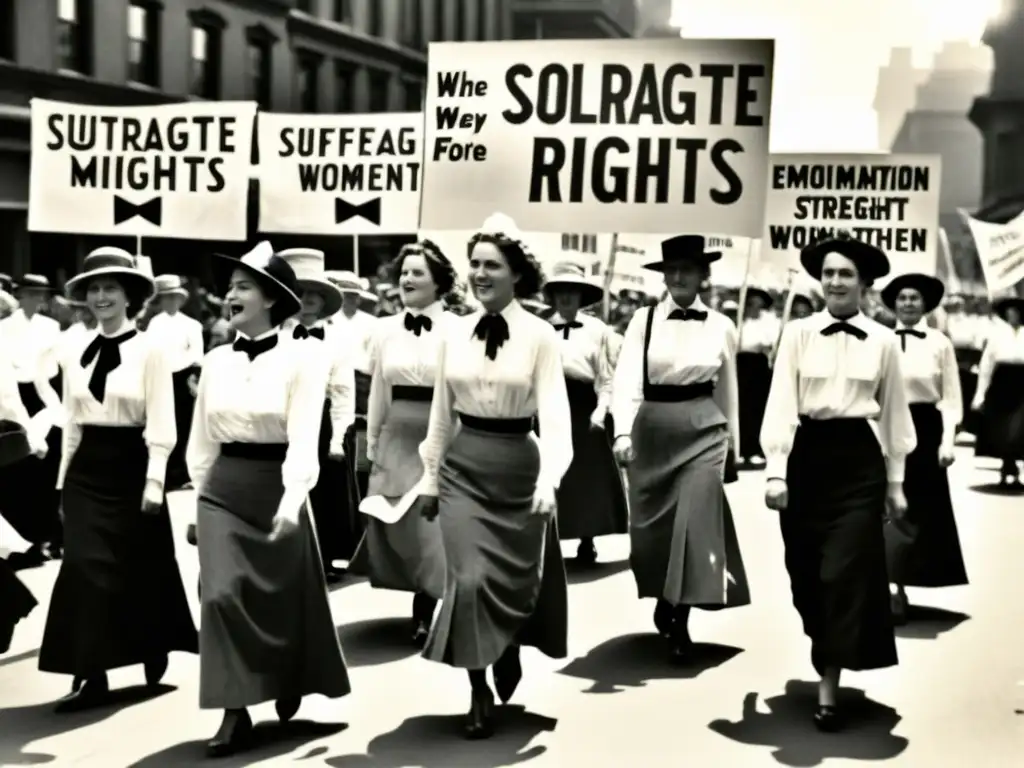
{"x": 586, "y": 574}
{"x": 377, "y": 641}
{"x": 787, "y": 728}
{"x": 436, "y": 741}
{"x": 998, "y": 489}
{"x": 630, "y": 661}
{"x": 927, "y": 623}
{"x": 25, "y": 725}
{"x": 270, "y": 740}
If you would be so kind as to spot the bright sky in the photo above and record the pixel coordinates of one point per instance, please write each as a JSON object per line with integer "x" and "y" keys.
{"x": 828, "y": 53}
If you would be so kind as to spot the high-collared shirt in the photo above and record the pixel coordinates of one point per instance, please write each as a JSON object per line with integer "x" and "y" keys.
{"x": 931, "y": 374}
{"x": 760, "y": 333}
{"x": 30, "y": 343}
{"x": 180, "y": 336}
{"x": 586, "y": 355}
{"x": 1005, "y": 345}
{"x": 357, "y": 331}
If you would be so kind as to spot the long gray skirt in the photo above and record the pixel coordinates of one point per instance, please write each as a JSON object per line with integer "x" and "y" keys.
{"x": 683, "y": 541}
{"x": 407, "y": 555}
{"x": 505, "y": 580}
{"x": 266, "y": 631}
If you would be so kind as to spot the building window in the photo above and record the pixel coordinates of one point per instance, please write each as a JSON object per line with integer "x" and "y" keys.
{"x": 380, "y": 82}
{"x": 579, "y": 243}
{"x": 375, "y": 18}
{"x": 259, "y": 56}
{"x": 461, "y": 29}
{"x": 440, "y": 21}
{"x": 483, "y": 27}
{"x": 7, "y": 29}
{"x": 342, "y": 11}
{"x": 307, "y": 81}
{"x": 143, "y": 42}
{"x": 73, "y": 36}
{"x": 588, "y": 243}
{"x": 207, "y": 50}
{"x": 412, "y": 24}
{"x": 413, "y": 96}
{"x": 344, "y": 87}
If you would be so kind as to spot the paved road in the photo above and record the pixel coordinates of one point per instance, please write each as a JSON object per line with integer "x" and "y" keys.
{"x": 951, "y": 702}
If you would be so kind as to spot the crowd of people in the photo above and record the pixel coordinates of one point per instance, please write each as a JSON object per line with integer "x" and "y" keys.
{"x": 443, "y": 439}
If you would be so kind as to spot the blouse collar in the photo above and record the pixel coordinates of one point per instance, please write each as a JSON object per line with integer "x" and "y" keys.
{"x": 127, "y": 325}
{"x": 431, "y": 310}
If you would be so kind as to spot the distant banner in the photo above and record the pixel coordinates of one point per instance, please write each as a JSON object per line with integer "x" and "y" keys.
{"x": 1000, "y": 250}
{"x": 174, "y": 170}
{"x": 340, "y": 174}
{"x": 890, "y": 201}
{"x": 651, "y": 136}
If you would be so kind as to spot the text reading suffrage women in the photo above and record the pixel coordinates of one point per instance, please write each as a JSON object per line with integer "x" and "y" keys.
{"x": 368, "y": 159}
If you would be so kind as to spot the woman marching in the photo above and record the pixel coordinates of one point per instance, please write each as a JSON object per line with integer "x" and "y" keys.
{"x": 675, "y": 408}
{"x": 998, "y": 396}
{"x": 406, "y": 554}
{"x": 118, "y": 599}
{"x": 758, "y": 333}
{"x": 836, "y": 434}
{"x": 335, "y": 499}
{"x": 266, "y": 631}
{"x": 591, "y": 500}
{"x": 493, "y": 482}
{"x": 927, "y": 549}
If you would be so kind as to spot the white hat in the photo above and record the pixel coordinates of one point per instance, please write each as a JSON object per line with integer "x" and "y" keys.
{"x": 573, "y": 275}
{"x": 171, "y": 285}
{"x": 109, "y": 261}
{"x": 310, "y": 275}
{"x": 348, "y": 281}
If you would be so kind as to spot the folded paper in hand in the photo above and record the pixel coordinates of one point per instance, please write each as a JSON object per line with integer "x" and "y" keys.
{"x": 382, "y": 509}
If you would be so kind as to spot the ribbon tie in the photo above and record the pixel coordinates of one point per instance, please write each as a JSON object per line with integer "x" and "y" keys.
{"x": 254, "y": 348}
{"x": 566, "y": 327}
{"x": 844, "y": 327}
{"x": 904, "y": 332}
{"x": 106, "y": 351}
{"x": 688, "y": 314}
{"x": 418, "y": 323}
{"x": 302, "y": 332}
{"x": 493, "y": 331}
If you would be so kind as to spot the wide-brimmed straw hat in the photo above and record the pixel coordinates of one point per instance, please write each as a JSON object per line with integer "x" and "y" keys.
{"x": 684, "y": 248}
{"x": 348, "y": 281}
{"x": 308, "y": 265}
{"x": 33, "y": 282}
{"x": 568, "y": 274}
{"x": 871, "y": 262}
{"x": 108, "y": 261}
{"x": 272, "y": 273}
{"x": 171, "y": 285}
{"x": 930, "y": 288}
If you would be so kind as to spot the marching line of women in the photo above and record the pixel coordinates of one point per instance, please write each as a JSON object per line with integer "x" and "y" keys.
{"x": 446, "y": 456}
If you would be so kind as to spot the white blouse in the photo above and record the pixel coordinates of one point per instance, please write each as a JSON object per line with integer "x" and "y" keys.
{"x": 526, "y": 378}
{"x": 402, "y": 358}
{"x": 931, "y": 375}
{"x": 1005, "y": 345}
{"x": 586, "y": 355}
{"x": 838, "y": 377}
{"x": 139, "y": 393}
{"x": 681, "y": 353}
{"x": 357, "y": 331}
{"x": 760, "y": 333}
{"x": 11, "y": 406}
{"x": 30, "y": 345}
{"x": 181, "y": 336}
{"x": 278, "y": 397}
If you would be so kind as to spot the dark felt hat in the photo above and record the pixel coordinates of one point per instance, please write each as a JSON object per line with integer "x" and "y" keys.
{"x": 871, "y": 262}
{"x": 763, "y": 295}
{"x": 1010, "y": 302}
{"x": 270, "y": 271}
{"x": 930, "y": 288}
{"x": 14, "y": 444}
{"x": 682, "y": 248}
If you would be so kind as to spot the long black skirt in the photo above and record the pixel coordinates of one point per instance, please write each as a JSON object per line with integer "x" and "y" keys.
{"x": 591, "y": 499}
{"x": 967, "y": 359}
{"x": 1001, "y": 425}
{"x": 16, "y": 602}
{"x": 118, "y": 599}
{"x": 835, "y": 547}
{"x": 754, "y": 377}
{"x": 335, "y": 500}
{"x": 29, "y": 499}
{"x": 184, "y": 404}
{"x": 266, "y": 631}
{"x": 932, "y": 557}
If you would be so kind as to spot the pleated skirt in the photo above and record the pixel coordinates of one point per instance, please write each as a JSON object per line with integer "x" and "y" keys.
{"x": 832, "y": 530}
{"x": 754, "y": 378}
{"x": 118, "y": 598}
{"x": 335, "y": 500}
{"x": 505, "y": 580}
{"x": 407, "y": 555}
{"x": 682, "y": 535}
{"x": 1001, "y": 428}
{"x": 933, "y": 556}
{"x": 184, "y": 404}
{"x": 16, "y": 602}
{"x": 266, "y": 631}
{"x": 591, "y": 499}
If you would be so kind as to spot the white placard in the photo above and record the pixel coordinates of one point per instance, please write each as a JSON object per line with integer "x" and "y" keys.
{"x": 340, "y": 174}
{"x": 173, "y": 170}
{"x": 890, "y": 201}
{"x": 651, "y": 136}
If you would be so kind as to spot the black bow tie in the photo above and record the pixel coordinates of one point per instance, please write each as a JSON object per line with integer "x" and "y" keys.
{"x": 108, "y": 349}
{"x": 904, "y": 332}
{"x": 842, "y": 326}
{"x": 688, "y": 314}
{"x": 255, "y": 348}
{"x": 493, "y": 331}
{"x": 566, "y": 327}
{"x": 302, "y": 332}
{"x": 418, "y": 323}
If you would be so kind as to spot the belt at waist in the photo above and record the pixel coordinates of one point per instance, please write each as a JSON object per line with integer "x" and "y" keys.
{"x": 498, "y": 426}
{"x": 834, "y": 428}
{"x": 924, "y": 406}
{"x": 678, "y": 393}
{"x": 254, "y": 451}
{"x": 408, "y": 392}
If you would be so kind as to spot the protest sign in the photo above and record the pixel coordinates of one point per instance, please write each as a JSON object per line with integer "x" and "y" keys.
{"x": 654, "y": 136}
{"x": 1000, "y": 250}
{"x": 174, "y": 170}
{"x": 340, "y": 174}
{"x": 889, "y": 201}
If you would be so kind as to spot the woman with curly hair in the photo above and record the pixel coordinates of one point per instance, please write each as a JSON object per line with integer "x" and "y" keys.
{"x": 405, "y": 553}
{"x": 493, "y": 484}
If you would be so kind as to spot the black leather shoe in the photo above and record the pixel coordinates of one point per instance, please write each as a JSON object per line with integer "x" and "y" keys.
{"x": 155, "y": 670}
{"x": 480, "y": 720}
{"x": 586, "y": 553}
{"x": 234, "y": 736}
{"x": 508, "y": 672}
{"x": 94, "y": 692}
{"x": 663, "y": 619}
{"x": 826, "y": 719}
{"x": 334, "y": 575}
{"x": 286, "y": 708}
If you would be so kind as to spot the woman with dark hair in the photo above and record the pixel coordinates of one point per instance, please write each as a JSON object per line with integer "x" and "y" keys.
{"x": 837, "y": 433}
{"x": 676, "y": 411}
{"x": 998, "y": 396}
{"x": 118, "y": 599}
{"x": 492, "y": 482}
{"x": 404, "y": 551}
{"x": 266, "y": 632}
{"x": 924, "y": 550}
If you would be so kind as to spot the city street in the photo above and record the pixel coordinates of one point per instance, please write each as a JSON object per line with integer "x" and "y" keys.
{"x": 953, "y": 701}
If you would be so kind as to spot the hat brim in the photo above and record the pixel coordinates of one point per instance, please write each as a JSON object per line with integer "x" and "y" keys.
{"x": 225, "y": 266}
{"x": 708, "y": 257}
{"x": 590, "y": 294}
{"x": 16, "y": 287}
{"x": 75, "y": 288}
{"x": 173, "y": 292}
{"x": 930, "y": 288}
{"x": 766, "y": 298}
{"x": 330, "y": 293}
{"x": 364, "y": 295}
{"x": 871, "y": 262}
{"x": 1000, "y": 307}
